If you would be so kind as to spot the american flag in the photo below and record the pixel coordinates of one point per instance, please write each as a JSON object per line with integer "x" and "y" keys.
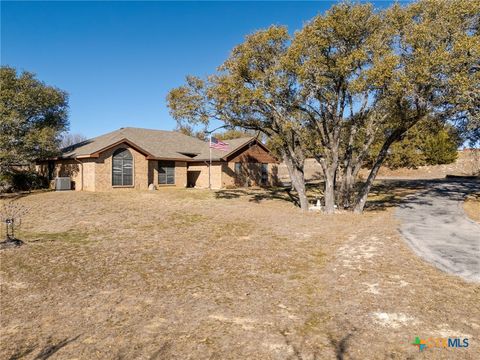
{"x": 217, "y": 144}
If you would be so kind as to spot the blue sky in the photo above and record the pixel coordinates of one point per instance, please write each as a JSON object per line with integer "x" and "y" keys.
{"x": 118, "y": 60}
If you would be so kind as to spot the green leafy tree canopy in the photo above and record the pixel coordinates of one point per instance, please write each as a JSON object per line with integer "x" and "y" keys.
{"x": 33, "y": 117}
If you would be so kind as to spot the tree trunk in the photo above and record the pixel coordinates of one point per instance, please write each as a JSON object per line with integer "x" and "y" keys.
{"x": 299, "y": 184}
{"x": 347, "y": 183}
{"x": 298, "y": 181}
{"x": 364, "y": 191}
{"x": 346, "y": 187}
{"x": 329, "y": 191}
{"x": 329, "y": 168}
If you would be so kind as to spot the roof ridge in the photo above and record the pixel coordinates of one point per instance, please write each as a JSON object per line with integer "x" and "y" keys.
{"x": 140, "y": 128}
{"x": 177, "y": 133}
{"x": 159, "y": 143}
{"x": 241, "y": 138}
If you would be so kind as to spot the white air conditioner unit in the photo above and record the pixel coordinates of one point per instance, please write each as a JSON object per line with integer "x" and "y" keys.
{"x": 63, "y": 183}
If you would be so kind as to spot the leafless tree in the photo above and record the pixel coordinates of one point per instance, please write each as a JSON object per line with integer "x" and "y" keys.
{"x": 70, "y": 139}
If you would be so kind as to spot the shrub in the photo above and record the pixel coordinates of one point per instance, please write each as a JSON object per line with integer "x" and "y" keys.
{"x": 22, "y": 181}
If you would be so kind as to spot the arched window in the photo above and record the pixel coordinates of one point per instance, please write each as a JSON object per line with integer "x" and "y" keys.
{"x": 122, "y": 168}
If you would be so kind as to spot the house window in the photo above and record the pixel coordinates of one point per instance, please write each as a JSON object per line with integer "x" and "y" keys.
{"x": 122, "y": 168}
{"x": 264, "y": 179}
{"x": 166, "y": 172}
{"x": 238, "y": 168}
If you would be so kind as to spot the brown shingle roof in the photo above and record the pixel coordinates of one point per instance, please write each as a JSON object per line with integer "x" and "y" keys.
{"x": 160, "y": 144}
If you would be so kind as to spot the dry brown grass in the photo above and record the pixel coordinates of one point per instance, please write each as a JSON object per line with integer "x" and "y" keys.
{"x": 238, "y": 275}
{"x": 472, "y": 207}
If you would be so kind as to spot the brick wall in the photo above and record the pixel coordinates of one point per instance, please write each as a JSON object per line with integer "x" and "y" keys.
{"x": 229, "y": 178}
{"x": 142, "y": 177}
{"x": 97, "y": 172}
{"x": 63, "y": 168}
{"x": 89, "y": 166}
{"x": 180, "y": 173}
{"x": 202, "y": 180}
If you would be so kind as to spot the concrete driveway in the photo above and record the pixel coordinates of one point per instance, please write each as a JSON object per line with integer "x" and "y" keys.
{"x": 436, "y": 228}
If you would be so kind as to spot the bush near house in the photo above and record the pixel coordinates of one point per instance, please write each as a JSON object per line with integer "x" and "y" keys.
{"x": 21, "y": 180}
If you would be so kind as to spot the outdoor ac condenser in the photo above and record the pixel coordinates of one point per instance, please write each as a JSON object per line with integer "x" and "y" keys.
{"x": 62, "y": 183}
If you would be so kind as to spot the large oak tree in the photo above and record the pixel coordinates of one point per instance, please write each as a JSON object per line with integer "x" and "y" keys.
{"x": 348, "y": 86}
{"x": 432, "y": 72}
{"x": 251, "y": 90}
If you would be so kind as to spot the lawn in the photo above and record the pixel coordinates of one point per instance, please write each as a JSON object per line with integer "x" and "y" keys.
{"x": 193, "y": 274}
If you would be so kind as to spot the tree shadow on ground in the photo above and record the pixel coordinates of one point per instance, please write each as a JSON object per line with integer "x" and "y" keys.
{"x": 384, "y": 194}
{"x": 393, "y": 193}
{"x": 341, "y": 345}
{"x": 257, "y": 194}
{"x": 20, "y": 194}
{"x": 51, "y": 349}
{"x": 301, "y": 351}
{"x": 162, "y": 352}
{"x": 22, "y": 353}
{"x": 46, "y": 352}
{"x": 298, "y": 351}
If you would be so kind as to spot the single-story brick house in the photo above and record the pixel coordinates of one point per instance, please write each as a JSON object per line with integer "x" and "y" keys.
{"x": 135, "y": 158}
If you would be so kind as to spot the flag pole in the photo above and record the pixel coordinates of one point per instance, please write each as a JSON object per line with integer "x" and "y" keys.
{"x": 210, "y": 148}
{"x": 210, "y": 162}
